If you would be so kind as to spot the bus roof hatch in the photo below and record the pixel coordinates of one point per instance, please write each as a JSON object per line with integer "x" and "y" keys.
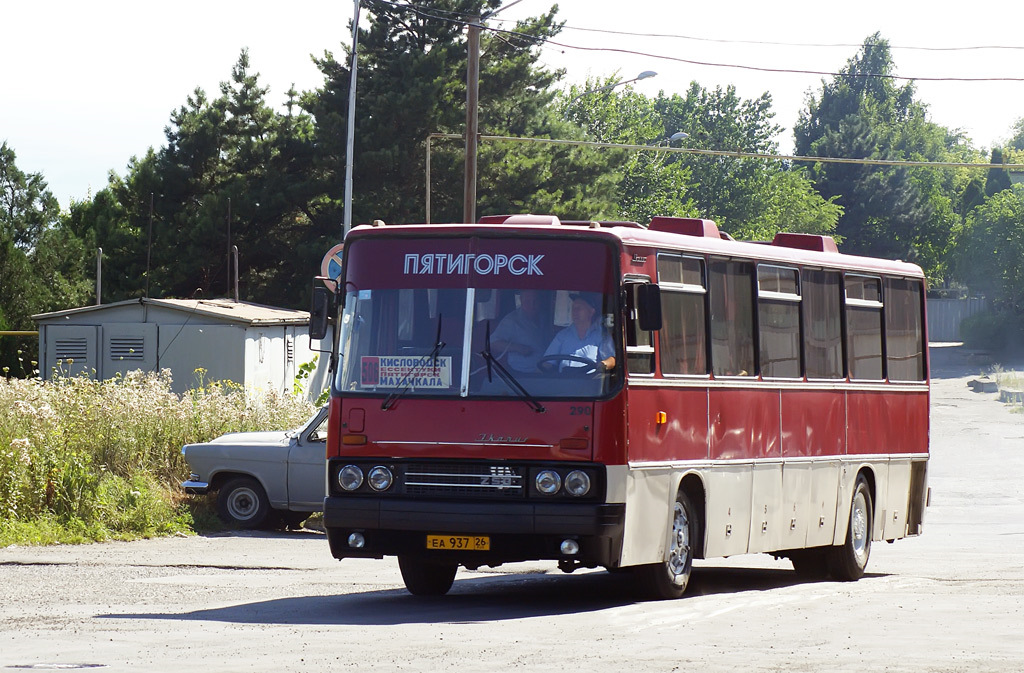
{"x": 687, "y": 226}
{"x": 813, "y": 242}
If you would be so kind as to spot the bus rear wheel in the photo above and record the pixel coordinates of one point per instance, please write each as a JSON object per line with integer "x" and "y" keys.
{"x": 847, "y": 562}
{"x": 668, "y": 580}
{"x": 425, "y": 577}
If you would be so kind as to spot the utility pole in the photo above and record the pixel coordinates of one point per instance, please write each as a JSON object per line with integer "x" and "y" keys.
{"x": 472, "y": 110}
{"x": 229, "y": 248}
{"x": 149, "y": 243}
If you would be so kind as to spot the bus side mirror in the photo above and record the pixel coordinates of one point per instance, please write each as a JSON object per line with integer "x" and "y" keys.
{"x": 320, "y": 313}
{"x": 648, "y": 307}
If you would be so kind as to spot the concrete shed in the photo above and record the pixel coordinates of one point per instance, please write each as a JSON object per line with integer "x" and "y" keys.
{"x": 250, "y": 344}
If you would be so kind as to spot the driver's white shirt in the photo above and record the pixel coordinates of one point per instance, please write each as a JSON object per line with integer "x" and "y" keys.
{"x": 596, "y": 345}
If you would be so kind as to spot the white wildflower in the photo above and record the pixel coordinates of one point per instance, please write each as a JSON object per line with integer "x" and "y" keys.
{"x": 21, "y": 448}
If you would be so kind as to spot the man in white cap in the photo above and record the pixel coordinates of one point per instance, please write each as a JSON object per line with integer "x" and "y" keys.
{"x": 585, "y": 338}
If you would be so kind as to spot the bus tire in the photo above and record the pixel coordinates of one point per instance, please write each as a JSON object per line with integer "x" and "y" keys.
{"x": 668, "y": 580}
{"x": 242, "y": 502}
{"x": 425, "y": 577}
{"x": 846, "y": 562}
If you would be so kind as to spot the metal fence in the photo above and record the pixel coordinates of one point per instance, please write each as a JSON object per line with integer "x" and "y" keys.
{"x": 945, "y": 315}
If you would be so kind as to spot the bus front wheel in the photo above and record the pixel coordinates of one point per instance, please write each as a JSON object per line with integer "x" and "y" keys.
{"x": 847, "y": 561}
{"x": 424, "y": 577}
{"x": 668, "y": 580}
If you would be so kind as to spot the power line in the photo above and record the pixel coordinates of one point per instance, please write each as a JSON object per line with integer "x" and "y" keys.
{"x": 744, "y": 155}
{"x": 793, "y": 71}
{"x": 695, "y": 38}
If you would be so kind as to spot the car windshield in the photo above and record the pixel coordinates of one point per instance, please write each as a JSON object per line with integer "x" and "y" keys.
{"x": 542, "y": 329}
{"x": 317, "y": 423}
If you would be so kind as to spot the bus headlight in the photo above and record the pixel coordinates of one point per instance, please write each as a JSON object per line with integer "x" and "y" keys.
{"x": 577, "y": 483}
{"x": 350, "y": 477}
{"x": 548, "y": 482}
{"x": 380, "y": 478}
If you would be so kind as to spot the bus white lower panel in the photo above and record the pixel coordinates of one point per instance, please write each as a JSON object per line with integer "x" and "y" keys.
{"x": 650, "y": 494}
{"x": 762, "y": 505}
{"x": 766, "y": 515}
{"x": 822, "y": 504}
{"x": 729, "y": 506}
{"x": 897, "y": 500}
{"x": 795, "y": 517}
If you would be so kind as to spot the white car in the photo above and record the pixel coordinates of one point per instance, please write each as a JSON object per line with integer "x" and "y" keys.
{"x": 263, "y": 477}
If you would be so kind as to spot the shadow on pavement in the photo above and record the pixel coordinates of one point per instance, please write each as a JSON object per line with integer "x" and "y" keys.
{"x": 479, "y": 599}
{"x": 954, "y": 361}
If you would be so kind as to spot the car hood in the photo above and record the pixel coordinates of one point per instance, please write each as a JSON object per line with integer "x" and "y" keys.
{"x": 275, "y": 438}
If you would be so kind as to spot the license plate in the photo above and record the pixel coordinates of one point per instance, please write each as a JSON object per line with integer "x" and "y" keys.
{"x": 459, "y": 542}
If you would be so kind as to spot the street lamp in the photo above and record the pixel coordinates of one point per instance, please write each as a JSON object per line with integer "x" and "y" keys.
{"x": 646, "y": 74}
{"x": 351, "y": 121}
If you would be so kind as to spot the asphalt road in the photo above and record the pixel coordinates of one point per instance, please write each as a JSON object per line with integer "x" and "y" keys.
{"x": 949, "y": 600}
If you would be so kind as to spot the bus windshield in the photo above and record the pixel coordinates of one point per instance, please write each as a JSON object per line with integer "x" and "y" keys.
{"x": 533, "y": 319}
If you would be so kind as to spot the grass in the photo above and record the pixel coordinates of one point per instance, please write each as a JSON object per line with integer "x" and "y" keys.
{"x": 1009, "y": 380}
{"x": 84, "y": 460}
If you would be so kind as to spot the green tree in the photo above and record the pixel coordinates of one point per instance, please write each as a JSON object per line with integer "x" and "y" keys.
{"x": 998, "y": 179}
{"x": 991, "y": 250}
{"x": 648, "y": 182}
{"x": 40, "y": 260}
{"x": 1017, "y": 140}
{"x": 411, "y": 82}
{"x": 231, "y": 165}
{"x": 887, "y": 212}
{"x": 749, "y": 198}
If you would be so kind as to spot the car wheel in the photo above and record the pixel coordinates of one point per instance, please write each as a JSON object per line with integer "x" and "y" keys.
{"x": 668, "y": 579}
{"x": 243, "y": 503}
{"x": 425, "y": 577}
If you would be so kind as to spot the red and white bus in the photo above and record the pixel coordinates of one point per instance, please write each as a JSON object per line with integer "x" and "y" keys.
{"x": 760, "y": 397}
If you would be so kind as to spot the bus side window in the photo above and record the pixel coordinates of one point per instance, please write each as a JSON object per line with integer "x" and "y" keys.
{"x": 864, "y": 327}
{"x": 683, "y": 335}
{"x": 731, "y": 290}
{"x": 904, "y": 336}
{"x": 823, "y": 324}
{"x": 778, "y": 309}
{"x": 639, "y": 344}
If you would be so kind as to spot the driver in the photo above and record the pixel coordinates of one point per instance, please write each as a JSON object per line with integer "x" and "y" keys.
{"x": 585, "y": 337}
{"x": 520, "y": 334}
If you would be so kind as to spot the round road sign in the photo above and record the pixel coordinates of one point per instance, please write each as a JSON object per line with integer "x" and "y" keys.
{"x": 331, "y": 266}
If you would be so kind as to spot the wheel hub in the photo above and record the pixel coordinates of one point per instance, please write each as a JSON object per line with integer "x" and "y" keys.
{"x": 680, "y": 550}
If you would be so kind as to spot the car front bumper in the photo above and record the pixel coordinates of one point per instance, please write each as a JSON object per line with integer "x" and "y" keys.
{"x": 195, "y": 487}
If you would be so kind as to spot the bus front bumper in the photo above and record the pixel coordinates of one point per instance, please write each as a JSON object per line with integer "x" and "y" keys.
{"x": 515, "y": 531}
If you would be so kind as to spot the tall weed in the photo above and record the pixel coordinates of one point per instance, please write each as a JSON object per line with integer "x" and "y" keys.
{"x": 102, "y": 459}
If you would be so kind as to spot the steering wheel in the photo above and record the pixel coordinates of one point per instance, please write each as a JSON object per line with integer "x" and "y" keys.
{"x": 590, "y": 367}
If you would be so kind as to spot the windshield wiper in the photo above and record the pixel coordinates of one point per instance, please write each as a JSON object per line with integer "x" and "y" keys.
{"x": 506, "y": 375}
{"x": 430, "y": 357}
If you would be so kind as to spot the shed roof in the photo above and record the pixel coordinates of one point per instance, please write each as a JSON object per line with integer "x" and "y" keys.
{"x": 243, "y": 312}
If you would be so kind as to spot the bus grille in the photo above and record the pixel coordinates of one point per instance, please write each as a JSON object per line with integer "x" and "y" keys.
{"x": 470, "y": 481}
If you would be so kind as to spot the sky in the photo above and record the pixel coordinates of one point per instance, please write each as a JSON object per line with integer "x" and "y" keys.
{"x": 84, "y": 87}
